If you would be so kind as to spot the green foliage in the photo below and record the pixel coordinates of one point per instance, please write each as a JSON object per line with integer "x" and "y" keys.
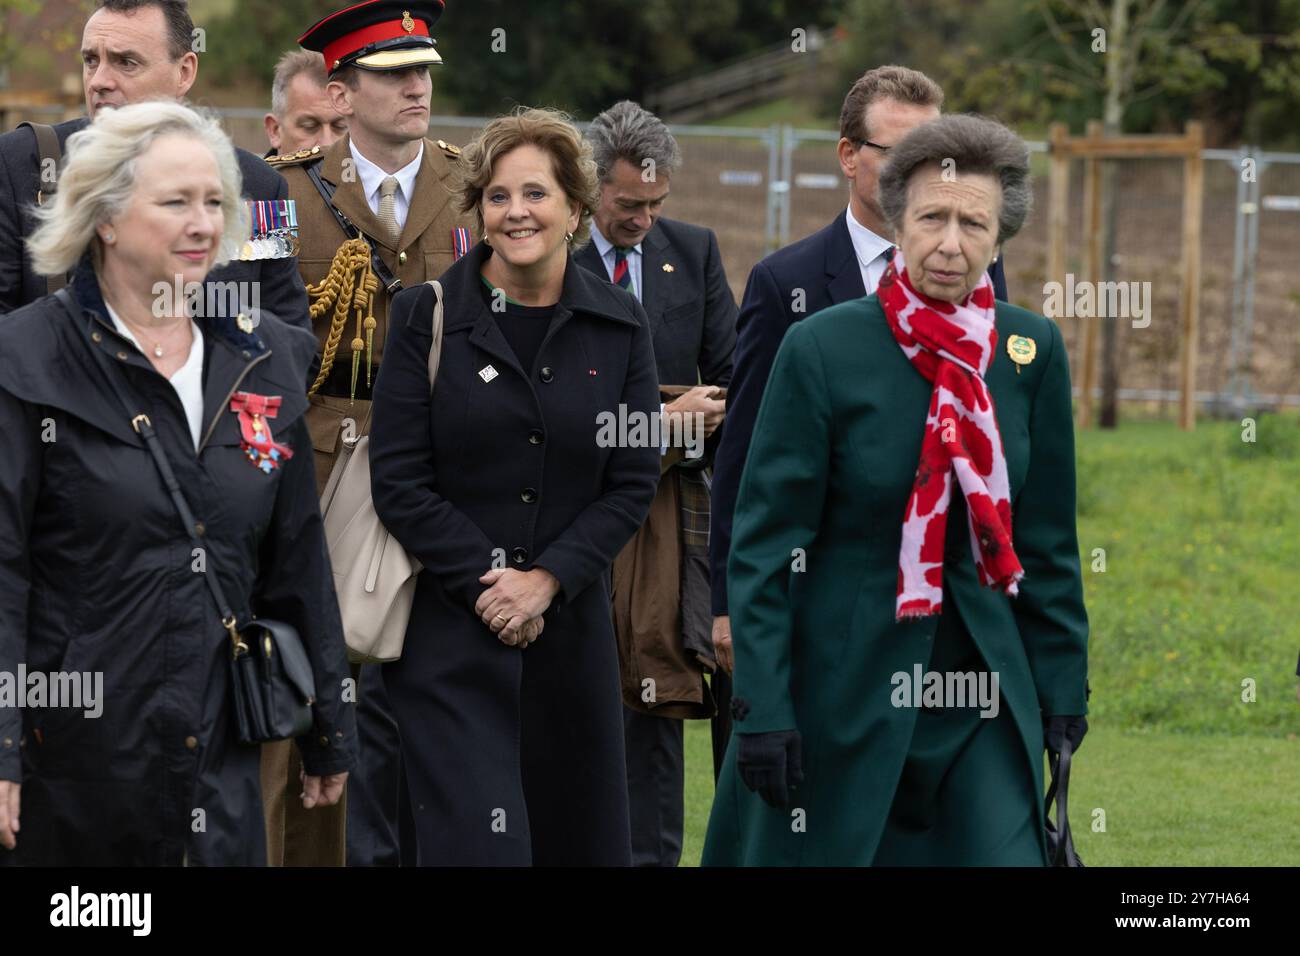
{"x": 12, "y": 40}
{"x": 1029, "y": 62}
{"x": 570, "y": 54}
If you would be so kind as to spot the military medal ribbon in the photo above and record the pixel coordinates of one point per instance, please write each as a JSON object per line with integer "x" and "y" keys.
{"x": 255, "y": 412}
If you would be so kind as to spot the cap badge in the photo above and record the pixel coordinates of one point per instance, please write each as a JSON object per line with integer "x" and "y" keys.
{"x": 407, "y": 23}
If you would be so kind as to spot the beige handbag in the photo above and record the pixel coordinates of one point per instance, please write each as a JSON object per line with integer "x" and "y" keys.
{"x": 373, "y": 575}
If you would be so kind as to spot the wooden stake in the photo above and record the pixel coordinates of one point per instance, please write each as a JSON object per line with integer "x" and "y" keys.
{"x": 1193, "y": 195}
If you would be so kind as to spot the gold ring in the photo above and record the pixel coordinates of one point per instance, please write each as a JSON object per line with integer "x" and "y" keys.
{"x": 498, "y": 618}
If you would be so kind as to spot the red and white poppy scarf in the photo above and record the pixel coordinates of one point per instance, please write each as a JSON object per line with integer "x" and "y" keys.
{"x": 952, "y": 346}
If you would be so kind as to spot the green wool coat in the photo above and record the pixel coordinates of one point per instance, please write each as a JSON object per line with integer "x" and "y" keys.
{"x": 814, "y": 574}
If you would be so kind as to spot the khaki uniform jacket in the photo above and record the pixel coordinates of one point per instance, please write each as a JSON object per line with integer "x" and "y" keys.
{"x": 423, "y": 252}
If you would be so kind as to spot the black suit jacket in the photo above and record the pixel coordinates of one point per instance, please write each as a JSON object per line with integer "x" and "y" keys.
{"x": 280, "y": 290}
{"x": 825, "y": 267}
{"x": 685, "y": 294}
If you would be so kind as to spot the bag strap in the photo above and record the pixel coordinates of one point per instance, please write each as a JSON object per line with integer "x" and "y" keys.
{"x": 1060, "y": 789}
{"x": 144, "y": 427}
{"x": 47, "y": 144}
{"x": 392, "y": 284}
{"x": 435, "y": 353}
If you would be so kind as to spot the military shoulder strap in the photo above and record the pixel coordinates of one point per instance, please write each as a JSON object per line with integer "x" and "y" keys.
{"x": 385, "y": 275}
{"x": 295, "y": 159}
{"x": 47, "y": 144}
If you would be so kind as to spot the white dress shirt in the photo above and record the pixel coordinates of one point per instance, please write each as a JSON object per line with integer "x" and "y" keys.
{"x": 608, "y": 254}
{"x": 187, "y": 380}
{"x": 372, "y": 177}
{"x": 870, "y": 249}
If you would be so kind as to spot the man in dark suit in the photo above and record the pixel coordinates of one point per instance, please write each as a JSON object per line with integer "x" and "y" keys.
{"x": 133, "y": 51}
{"x": 842, "y": 261}
{"x": 676, "y": 271}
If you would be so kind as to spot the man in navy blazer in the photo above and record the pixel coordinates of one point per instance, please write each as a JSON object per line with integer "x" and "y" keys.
{"x": 842, "y": 261}
{"x": 133, "y": 51}
{"x": 676, "y": 270}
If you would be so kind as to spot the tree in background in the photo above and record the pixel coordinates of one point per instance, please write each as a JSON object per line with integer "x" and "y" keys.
{"x": 38, "y": 43}
{"x": 1030, "y": 62}
{"x": 571, "y": 54}
{"x": 1139, "y": 65}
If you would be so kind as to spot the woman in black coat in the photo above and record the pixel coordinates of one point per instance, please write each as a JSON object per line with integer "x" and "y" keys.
{"x": 137, "y": 762}
{"x": 507, "y": 490}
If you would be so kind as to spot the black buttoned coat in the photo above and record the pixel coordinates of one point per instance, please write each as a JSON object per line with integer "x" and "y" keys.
{"x": 513, "y": 756}
{"x": 97, "y": 575}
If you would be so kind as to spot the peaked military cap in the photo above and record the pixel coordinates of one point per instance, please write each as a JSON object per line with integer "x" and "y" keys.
{"x": 377, "y": 35}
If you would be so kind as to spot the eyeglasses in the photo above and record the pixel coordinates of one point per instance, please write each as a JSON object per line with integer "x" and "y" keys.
{"x": 867, "y": 142}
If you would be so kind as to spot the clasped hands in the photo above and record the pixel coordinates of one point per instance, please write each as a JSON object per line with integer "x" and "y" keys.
{"x": 513, "y": 605}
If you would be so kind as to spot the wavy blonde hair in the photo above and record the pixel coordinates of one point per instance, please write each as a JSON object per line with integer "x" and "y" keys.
{"x": 553, "y": 133}
{"x": 98, "y": 180}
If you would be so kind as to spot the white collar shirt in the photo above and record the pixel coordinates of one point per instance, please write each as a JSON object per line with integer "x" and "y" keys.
{"x": 608, "y": 254}
{"x": 372, "y": 177}
{"x": 187, "y": 380}
{"x": 870, "y": 250}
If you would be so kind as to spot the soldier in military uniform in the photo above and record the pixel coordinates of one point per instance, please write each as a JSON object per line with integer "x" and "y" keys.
{"x": 389, "y": 224}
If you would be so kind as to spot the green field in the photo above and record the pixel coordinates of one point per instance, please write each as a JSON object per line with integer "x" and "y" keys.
{"x": 1199, "y": 603}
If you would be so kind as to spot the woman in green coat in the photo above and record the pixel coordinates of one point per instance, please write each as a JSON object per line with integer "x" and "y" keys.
{"x": 907, "y": 604}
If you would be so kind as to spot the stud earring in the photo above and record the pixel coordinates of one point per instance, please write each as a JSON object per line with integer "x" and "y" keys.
{"x": 568, "y": 237}
{"x": 108, "y": 237}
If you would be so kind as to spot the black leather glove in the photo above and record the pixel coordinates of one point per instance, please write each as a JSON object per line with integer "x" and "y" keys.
{"x": 1057, "y": 730}
{"x": 771, "y": 764}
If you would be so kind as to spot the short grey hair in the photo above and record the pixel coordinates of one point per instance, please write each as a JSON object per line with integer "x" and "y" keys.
{"x": 291, "y": 64}
{"x": 627, "y": 131}
{"x": 975, "y": 144}
{"x": 99, "y": 178}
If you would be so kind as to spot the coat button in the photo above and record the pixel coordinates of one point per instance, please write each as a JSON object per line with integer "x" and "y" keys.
{"x": 121, "y": 356}
{"x": 519, "y": 555}
{"x": 96, "y": 337}
{"x": 535, "y": 436}
{"x": 547, "y": 374}
{"x": 8, "y": 742}
{"x": 528, "y": 495}
{"x": 324, "y": 741}
{"x": 191, "y": 742}
{"x": 200, "y": 528}
{"x": 401, "y": 258}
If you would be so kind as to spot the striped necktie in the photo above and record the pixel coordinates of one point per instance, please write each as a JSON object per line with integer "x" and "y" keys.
{"x": 622, "y": 272}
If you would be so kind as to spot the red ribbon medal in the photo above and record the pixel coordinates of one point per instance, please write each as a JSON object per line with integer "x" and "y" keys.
{"x": 254, "y": 412}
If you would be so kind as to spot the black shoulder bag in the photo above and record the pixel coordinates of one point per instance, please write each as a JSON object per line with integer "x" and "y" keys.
{"x": 271, "y": 680}
{"x": 1060, "y": 842}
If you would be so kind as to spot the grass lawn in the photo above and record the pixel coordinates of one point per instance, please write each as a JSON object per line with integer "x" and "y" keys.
{"x": 1197, "y": 606}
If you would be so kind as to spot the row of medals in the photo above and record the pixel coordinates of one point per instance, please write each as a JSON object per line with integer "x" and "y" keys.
{"x": 276, "y": 245}
{"x": 274, "y": 230}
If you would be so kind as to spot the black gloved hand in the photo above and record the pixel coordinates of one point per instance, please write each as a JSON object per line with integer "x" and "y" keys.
{"x": 1058, "y": 729}
{"x": 771, "y": 764}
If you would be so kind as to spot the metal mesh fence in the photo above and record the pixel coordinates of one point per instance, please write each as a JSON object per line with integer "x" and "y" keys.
{"x": 759, "y": 189}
